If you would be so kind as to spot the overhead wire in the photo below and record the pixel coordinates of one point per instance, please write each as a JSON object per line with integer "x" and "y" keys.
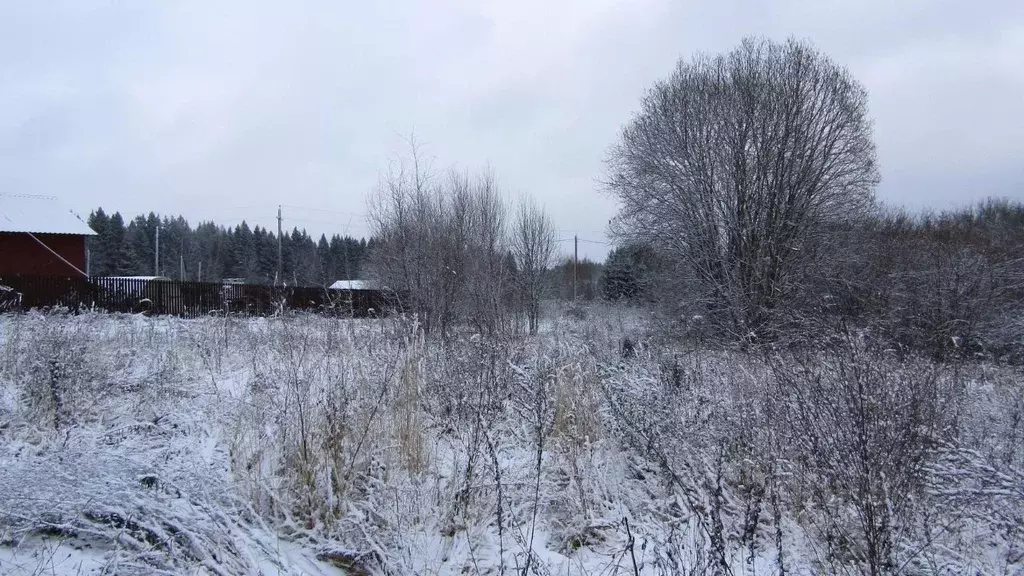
{"x": 323, "y": 210}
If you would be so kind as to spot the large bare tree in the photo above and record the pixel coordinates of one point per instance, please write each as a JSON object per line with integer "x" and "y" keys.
{"x": 736, "y": 165}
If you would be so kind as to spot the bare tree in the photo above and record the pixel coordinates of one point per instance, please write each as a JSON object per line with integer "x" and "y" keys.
{"x": 441, "y": 243}
{"x": 533, "y": 247}
{"x": 733, "y": 165}
{"x": 403, "y": 217}
{"x": 489, "y": 278}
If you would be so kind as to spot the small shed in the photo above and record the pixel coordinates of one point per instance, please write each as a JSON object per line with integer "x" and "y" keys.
{"x": 361, "y": 298}
{"x": 352, "y": 285}
{"x": 40, "y": 238}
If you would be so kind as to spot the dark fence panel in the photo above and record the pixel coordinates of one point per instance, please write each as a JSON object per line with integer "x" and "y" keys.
{"x": 50, "y": 291}
{"x": 186, "y": 299}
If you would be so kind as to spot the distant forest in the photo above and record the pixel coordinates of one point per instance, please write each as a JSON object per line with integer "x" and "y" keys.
{"x": 128, "y": 249}
{"x": 211, "y": 252}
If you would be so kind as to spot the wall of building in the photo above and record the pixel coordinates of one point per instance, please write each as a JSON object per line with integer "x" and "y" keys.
{"x": 21, "y": 255}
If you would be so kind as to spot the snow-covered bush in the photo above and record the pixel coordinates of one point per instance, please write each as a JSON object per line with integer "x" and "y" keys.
{"x": 299, "y": 443}
{"x": 857, "y": 427}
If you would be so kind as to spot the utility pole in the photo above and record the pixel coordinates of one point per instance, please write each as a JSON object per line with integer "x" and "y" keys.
{"x": 199, "y": 277}
{"x": 181, "y": 261}
{"x": 348, "y": 276}
{"x": 156, "y": 255}
{"x": 280, "y": 268}
{"x": 575, "y": 262}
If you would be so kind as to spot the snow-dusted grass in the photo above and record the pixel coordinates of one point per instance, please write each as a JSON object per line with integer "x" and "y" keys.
{"x": 296, "y": 445}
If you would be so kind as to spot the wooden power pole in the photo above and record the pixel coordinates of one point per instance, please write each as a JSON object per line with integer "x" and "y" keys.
{"x": 280, "y": 260}
{"x": 575, "y": 262}
{"x": 156, "y": 255}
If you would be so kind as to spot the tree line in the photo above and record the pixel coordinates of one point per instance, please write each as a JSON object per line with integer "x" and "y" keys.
{"x": 945, "y": 283}
{"x": 212, "y": 252}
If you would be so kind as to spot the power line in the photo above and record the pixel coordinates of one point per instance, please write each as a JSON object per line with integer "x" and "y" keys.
{"x": 32, "y": 196}
{"x": 585, "y": 240}
{"x": 328, "y": 222}
{"x": 324, "y": 210}
{"x": 566, "y": 231}
{"x": 243, "y": 207}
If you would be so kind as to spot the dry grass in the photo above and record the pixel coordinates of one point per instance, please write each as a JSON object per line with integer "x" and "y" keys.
{"x": 367, "y": 435}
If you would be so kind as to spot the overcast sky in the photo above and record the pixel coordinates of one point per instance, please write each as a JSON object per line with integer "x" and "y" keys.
{"x": 223, "y": 110}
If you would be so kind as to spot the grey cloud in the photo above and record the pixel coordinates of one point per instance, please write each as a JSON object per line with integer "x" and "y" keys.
{"x": 223, "y": 110}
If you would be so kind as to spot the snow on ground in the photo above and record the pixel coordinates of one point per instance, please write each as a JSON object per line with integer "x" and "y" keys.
{"x": 308, "y": 445}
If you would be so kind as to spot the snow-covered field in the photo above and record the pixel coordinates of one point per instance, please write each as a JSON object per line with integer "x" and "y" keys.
{"x": 309, "y": 445}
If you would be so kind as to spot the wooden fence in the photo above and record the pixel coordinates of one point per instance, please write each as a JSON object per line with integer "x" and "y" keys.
{"x": 185, "y": 299}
